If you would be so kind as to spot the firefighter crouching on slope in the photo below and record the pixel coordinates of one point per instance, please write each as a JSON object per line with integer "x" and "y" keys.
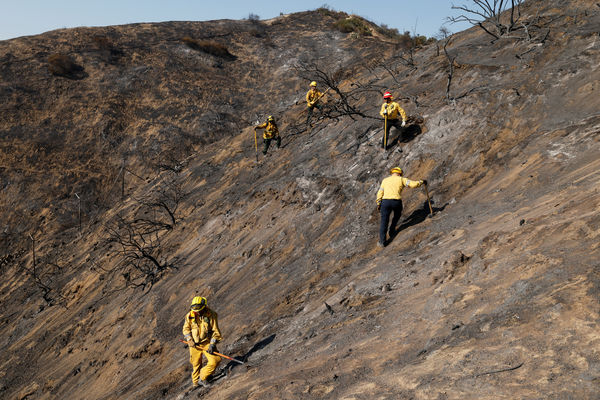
{"x": 312, "y": 100}
{"x": 201, "y": 332}
{"x": 389, "y": 199}
{"x": 271, "y": 132}
{"x": 391, "y": 109}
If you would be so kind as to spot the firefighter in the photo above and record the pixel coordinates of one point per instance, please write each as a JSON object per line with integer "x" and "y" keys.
{"x": 201, "y": 332}
{"x": 390, "y": 111}
{"x": 312, "y": 100}
{"x": 389, "y": 200}
{"x": 271, "y": 132}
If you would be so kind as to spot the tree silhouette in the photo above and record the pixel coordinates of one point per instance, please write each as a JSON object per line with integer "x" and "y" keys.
{"x": 488, "y": 15}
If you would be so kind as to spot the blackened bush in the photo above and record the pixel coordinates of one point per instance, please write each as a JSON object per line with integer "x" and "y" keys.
{"x": 108, "y": 51}
{"x": 213, "y": 48}
{"x": 102, "y": 42}
{"x": 63, "y": 65}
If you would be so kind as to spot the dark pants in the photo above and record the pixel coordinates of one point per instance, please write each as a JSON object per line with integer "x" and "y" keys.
{"x": 391, "y": 122}
{"x": 267, "y": 143}
{"x": 387, "y": 207}
{"x": 310, "y": 112}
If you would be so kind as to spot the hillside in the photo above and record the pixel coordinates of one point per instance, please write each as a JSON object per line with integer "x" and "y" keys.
{"x": 495, "y": 296}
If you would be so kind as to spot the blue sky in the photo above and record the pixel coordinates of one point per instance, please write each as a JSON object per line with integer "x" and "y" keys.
{"x": 31, "y": 17}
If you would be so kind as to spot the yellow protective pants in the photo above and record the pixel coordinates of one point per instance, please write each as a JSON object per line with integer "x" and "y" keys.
{"x": 199, "y": 372}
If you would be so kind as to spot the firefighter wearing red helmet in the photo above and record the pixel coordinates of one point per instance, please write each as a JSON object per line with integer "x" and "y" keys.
{"x": 392, "y": 111}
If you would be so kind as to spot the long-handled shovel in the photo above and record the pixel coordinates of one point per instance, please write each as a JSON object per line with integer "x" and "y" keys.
{"x": 324, "y": 93}
{"x": 385, "y": 133}
{"x": 428, "y": 200}
{"x": 219, "y": 354}
{"x": 256, "y": 145}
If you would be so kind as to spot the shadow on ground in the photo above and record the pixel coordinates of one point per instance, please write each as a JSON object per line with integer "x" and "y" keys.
{"x": 405, "y": 135}
{"x": 257, "y": 346}
{"x": 415, "y": 218}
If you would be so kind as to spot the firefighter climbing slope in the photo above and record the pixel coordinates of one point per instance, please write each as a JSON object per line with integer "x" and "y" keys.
{"x": 201, "y": 332}
{"x": 389, "y": 200}
{"x": 271, "y": 133}
{"x": 312, "y": 100}
{"x": 390, "y": 111}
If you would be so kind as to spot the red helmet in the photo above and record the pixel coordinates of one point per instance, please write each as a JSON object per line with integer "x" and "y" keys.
{"x": 387, "y": 95}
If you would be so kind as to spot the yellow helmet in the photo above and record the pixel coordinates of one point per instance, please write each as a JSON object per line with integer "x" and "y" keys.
{"x": 198, "y": 303}
{"x": 313, "y": 83}
{"x": 396, "y": 170}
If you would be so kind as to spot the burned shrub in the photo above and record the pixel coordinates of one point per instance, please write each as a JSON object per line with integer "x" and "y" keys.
{"x": 491, "y": 16}
{"x": 108, "y": 52}
{"x": 209, "y": 47}
{"x": 63, "y": 65}
{"x": 138, "y": 242}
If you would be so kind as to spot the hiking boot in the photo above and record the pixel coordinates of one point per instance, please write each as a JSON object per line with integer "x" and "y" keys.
{"x": 204, "y": 383}
{"x": 380, "y": 244}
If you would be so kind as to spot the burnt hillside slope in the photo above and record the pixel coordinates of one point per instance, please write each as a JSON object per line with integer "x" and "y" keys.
{"x": 495, "y": 296}
{"x": 81, "y": 105}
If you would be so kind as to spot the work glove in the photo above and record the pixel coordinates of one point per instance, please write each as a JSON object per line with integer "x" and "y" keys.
{"x": 384, "y": 112}
{"x": 424, "y": 182}
{"x": 403, "y": 123}
{"x": 191, "y": 343}
{"x": 378, "y": 206}
{"x": 211, "y": 348}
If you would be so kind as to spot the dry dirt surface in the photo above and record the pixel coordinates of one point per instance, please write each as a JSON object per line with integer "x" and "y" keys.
{"x": 130, "y": 182}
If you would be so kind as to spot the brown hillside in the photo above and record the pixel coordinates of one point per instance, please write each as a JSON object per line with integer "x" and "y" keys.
{"x": 494, "y": 297}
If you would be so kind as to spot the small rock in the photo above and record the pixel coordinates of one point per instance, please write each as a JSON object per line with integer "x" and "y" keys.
{"x": 521, "y": 222}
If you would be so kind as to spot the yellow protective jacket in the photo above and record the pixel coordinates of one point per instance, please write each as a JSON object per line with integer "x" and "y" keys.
{"x": 393, "y": 109}
{"x": 202, "y": 327}
{"x": 271, "y": 130}
{"x": 391, "y": 187}
{"x": 312, "y": 97}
